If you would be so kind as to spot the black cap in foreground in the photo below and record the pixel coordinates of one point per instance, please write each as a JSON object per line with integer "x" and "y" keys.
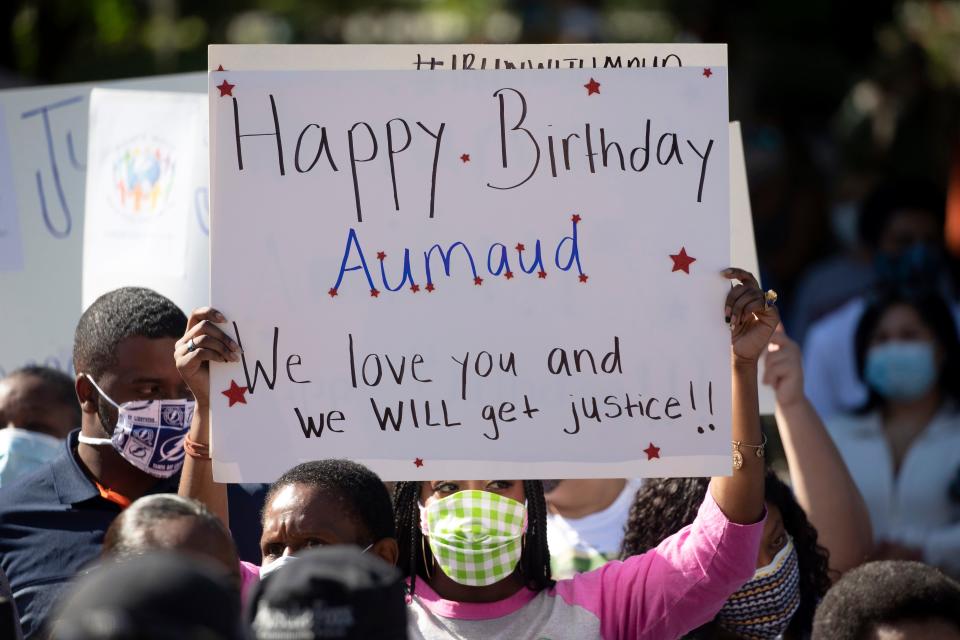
{"x": 335, "y": 592}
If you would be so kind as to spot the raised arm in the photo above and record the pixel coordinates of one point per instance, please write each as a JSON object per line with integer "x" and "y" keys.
{"x": 740, "y": 495}
{"x": 821, "y": 482}
{"x": 203, "y": 342}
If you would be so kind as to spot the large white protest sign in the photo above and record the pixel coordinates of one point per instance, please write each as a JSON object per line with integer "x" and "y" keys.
{"x": 469, "y": 57}
{"x": 146, "y": 216}
{"x": 428, "y": 272}
{"x": 43, "y": 139}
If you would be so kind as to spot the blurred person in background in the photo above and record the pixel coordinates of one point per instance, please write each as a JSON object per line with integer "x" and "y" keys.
{"x": 902, "y": 223}
{"x": 828, "y": 284}
{"x": 38, "y": 410}
{"x": 890, "y": 600}
{"x": 903, "y": 446}
{"x": 585, "y": 521}
{"x": 157, "y": 596}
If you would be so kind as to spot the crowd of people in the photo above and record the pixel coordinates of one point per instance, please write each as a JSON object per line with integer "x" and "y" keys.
{"x": 857, "y": 536}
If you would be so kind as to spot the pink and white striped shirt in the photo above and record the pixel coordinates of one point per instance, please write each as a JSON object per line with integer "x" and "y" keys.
{"x": 661, "y": 594}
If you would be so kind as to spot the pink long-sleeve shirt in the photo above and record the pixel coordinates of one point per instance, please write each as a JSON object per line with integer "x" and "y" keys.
{"x": 661, "y": 594}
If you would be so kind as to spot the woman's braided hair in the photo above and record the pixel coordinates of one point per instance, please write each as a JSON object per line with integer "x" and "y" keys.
{"x": 534, "y": 567}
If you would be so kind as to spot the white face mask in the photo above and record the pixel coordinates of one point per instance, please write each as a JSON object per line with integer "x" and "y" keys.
{"x": 283, "y": 561}
{"x": 149, "y": 434}
{"x": 22, "y": 451}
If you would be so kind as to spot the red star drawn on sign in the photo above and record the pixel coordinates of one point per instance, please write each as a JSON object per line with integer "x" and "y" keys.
{"x": 226, "y": 89}
{"x": 520, "y": 246}
{"x": 220, "y": 68}
{"x": 418, "y": 462}
{"x": 478, "y": 281}
{"x": 681, "y": 261}
{"x": 414, "y": 288}
{"x": 575, "y": 217}
{"x": 542, "y": 275}
{"x": 592, "y": 87}
{"x": 374, "y": 293}
{"x": 465, "y": 158}
{"x": 430, "y": 287}
{"x": 235, "y": 393}
{"x": 584, "y": 277}
{"x": 652, "y": 452}
{"x": 381, "y": 255}
{"x": 333, "y": 292}
{"x": 508, "y": 275}
{"x": 707, "y": 73}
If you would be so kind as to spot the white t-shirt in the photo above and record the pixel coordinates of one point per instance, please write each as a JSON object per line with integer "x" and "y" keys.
{"x": 913, "y": 507}
{"x": 583, "y": 544}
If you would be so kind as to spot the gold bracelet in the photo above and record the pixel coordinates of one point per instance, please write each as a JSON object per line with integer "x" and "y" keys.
{"x": 738, "y": 457}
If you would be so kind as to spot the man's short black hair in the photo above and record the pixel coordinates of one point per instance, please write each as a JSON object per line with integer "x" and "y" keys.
{"x": 357, "y": 490}
{"x": 56, "y": 383}
{"x": 123, "y": 313}
{"x": 885, "y": 592}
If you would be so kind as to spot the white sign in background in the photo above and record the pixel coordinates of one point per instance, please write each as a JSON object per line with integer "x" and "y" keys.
{"x": 743, "y": 247}
{"x": 146, "y": 196}
{"x": 280, "y": 272}
{"x": 11, "y": 244}
{"x": 46, "y": 143}
{"x": 464, "y": 57}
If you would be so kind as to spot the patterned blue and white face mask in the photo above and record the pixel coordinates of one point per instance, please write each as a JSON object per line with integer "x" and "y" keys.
{"x": 763, "y": 607}
{"x": 149, "y": 434}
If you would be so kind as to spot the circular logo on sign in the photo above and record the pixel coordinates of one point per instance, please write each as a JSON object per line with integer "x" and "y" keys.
{"x": 141, "y": 173}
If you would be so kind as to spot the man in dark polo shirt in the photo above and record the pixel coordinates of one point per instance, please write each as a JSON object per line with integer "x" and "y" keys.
{"x": 52, "y": 521}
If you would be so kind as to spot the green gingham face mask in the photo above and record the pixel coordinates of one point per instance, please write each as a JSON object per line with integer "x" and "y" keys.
{"x": 475, "y": 536}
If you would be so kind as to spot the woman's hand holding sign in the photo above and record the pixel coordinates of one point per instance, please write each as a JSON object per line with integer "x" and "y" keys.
{"x": 752, "y": 319}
